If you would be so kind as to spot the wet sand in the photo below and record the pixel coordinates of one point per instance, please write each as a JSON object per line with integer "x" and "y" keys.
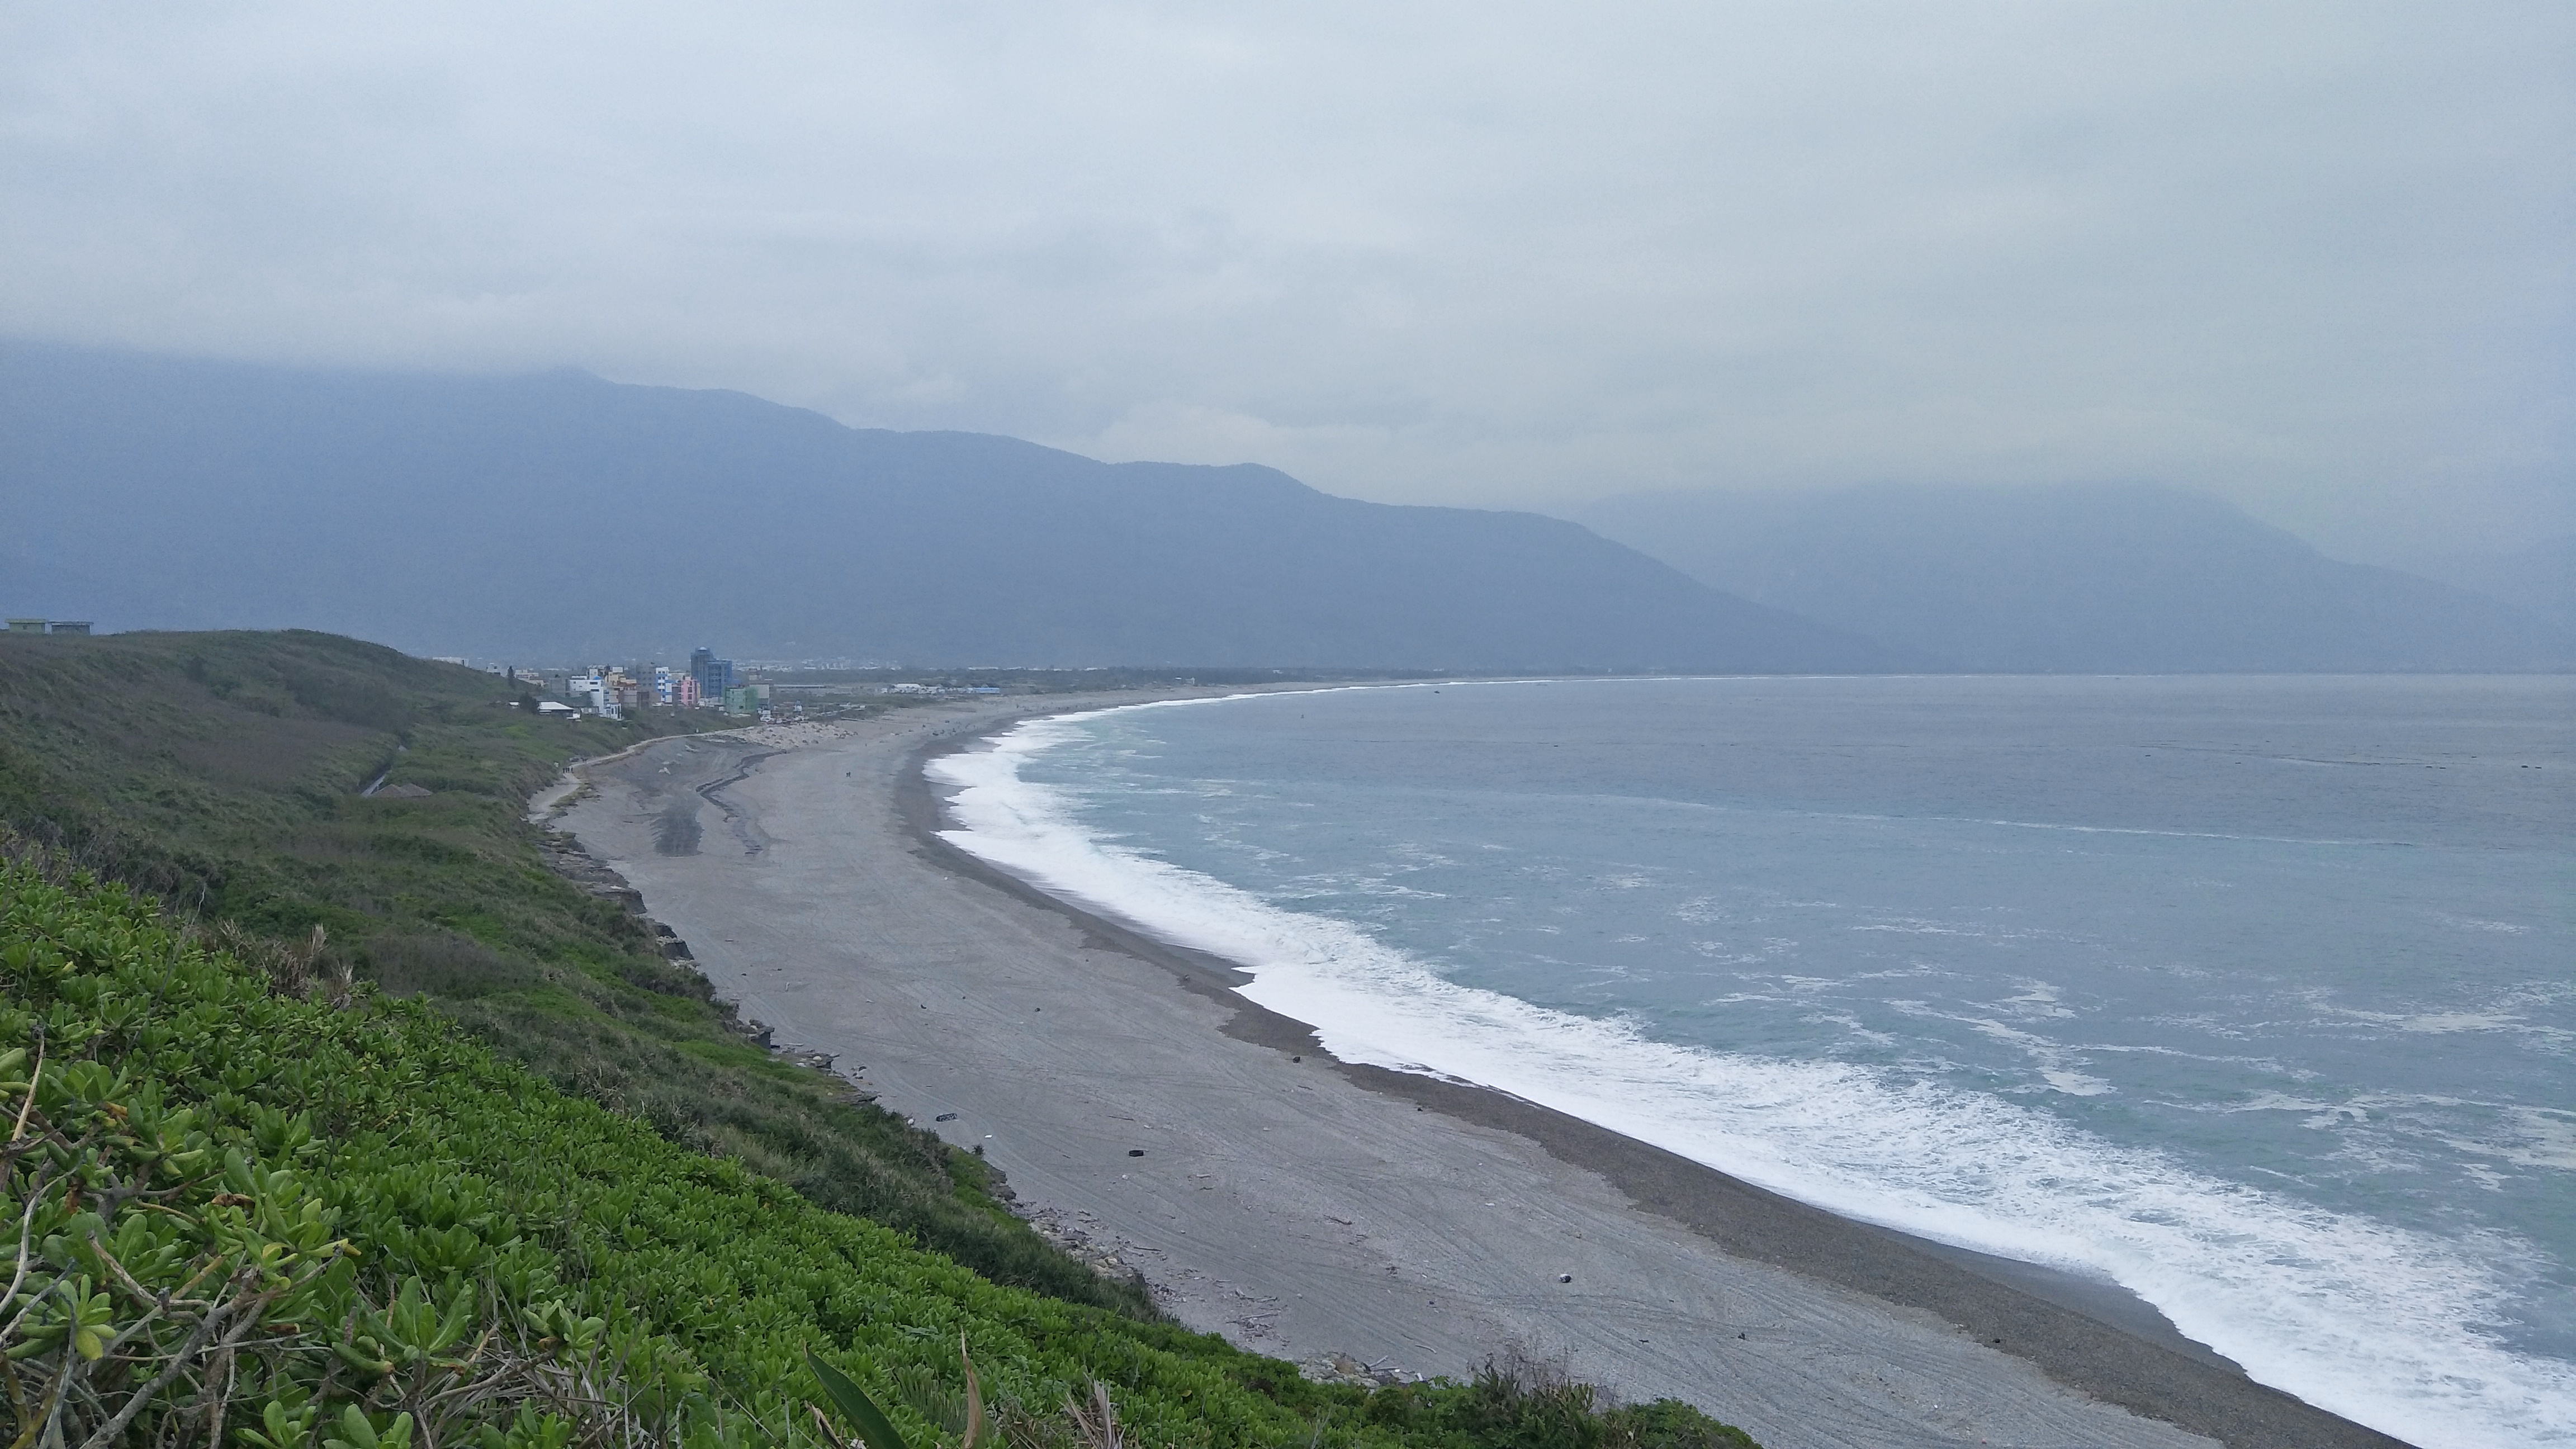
{"x": 1307, "y": 1208}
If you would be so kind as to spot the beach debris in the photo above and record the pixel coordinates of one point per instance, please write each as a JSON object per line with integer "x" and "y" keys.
{"x": 1565, "y": 1277}
{"x": 1135, "y": 1151}
{"x": 1341, "y": 1368}
{"x": 1296, "y": 1059}
{"x": 1077, "y": 1242}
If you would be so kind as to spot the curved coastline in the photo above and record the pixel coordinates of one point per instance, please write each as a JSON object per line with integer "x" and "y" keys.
{"x": 2089, "y": 1335}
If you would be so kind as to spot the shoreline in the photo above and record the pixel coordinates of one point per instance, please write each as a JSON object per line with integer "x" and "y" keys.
{"x": 2091, "y": 1335}
{"x": 1320, "y": 1212}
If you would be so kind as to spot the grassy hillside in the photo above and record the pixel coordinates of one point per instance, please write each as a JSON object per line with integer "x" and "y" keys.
{"x": 267, "y": 1216}
{"x": 535, "y": 1191}
{"x": 221, "y": 773}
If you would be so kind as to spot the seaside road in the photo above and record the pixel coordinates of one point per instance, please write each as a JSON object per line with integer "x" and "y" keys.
{"x": 1279, "y": 1202}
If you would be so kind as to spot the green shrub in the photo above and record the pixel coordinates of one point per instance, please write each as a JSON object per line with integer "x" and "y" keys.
{"x": 268, "y": 1219}
{"x": 127, "y": 758}
{"x": 1516, "y": 1403}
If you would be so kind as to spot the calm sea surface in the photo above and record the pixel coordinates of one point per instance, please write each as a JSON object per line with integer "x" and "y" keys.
{"x": 2257, "y": 995}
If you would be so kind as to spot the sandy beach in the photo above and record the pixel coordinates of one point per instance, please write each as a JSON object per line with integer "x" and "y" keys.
{"x": 1317, "y": 1211}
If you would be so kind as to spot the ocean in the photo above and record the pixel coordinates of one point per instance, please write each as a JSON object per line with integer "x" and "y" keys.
{"x": 2254, "y": 995}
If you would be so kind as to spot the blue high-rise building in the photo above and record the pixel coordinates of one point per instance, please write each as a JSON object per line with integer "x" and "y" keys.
{"x": 714, "y": 676}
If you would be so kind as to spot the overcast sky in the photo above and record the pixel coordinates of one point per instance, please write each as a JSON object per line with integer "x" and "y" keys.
{"x": 2320, "y": 259}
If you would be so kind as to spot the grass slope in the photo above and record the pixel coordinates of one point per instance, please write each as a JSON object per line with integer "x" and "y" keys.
{"x": 536, "y": 1191}
{"x": 221, "y": 773}
{"x": 258, "y": 1214}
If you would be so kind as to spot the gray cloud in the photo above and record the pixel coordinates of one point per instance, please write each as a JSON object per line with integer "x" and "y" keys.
{"x": 2312, "y": 257}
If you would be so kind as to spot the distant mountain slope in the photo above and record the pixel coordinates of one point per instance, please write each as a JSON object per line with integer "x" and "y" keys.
{"x": 559, "y": 515}
{"x": 2538, "y": 579}
{"x": 2109, "y": 578}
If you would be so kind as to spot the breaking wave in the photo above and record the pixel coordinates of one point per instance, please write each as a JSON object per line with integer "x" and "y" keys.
{"x": 2380, "y": 1324}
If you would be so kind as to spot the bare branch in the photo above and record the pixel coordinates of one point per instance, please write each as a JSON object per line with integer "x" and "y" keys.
{"x": 33, "y": 1078}
{"x": 825, "y": 1425}
{"x": 26, "y": 1230}
{"x": 206, "y": 1330}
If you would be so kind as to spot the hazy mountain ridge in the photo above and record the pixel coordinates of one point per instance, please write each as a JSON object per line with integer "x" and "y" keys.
{"x": 560, "y": 515}
{"x": 2119, "y": 578}
{"x": 2538, "y": 578}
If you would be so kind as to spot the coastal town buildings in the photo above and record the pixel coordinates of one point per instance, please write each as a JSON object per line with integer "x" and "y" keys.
{"x": 709, "y": 682}
{"x": 714, "y": 676}
{"x": 614, "y": 691}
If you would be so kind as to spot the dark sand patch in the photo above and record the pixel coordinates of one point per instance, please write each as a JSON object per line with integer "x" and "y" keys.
{"x": 676, "y": 830}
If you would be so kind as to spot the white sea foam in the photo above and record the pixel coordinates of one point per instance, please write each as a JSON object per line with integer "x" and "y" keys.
{"x": 2380, "y": 1324}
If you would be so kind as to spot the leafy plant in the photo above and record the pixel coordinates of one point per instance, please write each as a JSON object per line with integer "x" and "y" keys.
{"x": 875, "y": 1430}
{"x": 270, "y": 1207}
{"x": 124, "y": 757}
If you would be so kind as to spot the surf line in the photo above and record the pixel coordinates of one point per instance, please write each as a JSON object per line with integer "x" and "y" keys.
{"x": 1374, "y": 1010}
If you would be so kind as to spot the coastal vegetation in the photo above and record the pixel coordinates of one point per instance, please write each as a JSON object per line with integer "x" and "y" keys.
{"x": 345, "y": 1123}
{"x": 221, "y": 773}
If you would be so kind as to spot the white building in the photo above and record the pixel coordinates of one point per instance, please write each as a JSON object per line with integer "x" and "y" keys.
{"x": 592, "y": 688}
